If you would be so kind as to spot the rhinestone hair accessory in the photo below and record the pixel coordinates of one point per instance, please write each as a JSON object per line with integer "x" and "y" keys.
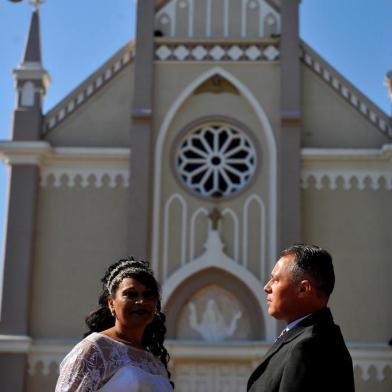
{"x": 123, "y": 269}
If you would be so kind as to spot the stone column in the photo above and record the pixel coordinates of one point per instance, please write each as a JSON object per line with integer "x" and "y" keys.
{"x": 140, "y": 185}
{"x": 17, "y": 270}
{"x": 290, "y": 141}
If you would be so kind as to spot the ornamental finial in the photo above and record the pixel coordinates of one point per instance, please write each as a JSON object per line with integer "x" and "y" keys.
{"x": 36, "y": 4}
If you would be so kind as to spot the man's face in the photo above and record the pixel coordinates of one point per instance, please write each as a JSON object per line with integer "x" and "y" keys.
{"x": 282, "y": 292}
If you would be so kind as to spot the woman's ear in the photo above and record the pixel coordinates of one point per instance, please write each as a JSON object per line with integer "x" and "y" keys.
{"x": 110, "y": 302}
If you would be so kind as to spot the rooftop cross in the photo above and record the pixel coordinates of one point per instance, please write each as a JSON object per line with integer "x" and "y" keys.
{"x": 36, "y": 3}
{"x": 215, "y": 217}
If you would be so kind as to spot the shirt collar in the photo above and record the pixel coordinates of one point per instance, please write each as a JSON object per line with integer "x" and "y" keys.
{"x": 295, "y": 322}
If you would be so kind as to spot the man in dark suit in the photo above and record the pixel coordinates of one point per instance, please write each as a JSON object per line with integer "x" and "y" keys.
{"x": 310, "y": 354}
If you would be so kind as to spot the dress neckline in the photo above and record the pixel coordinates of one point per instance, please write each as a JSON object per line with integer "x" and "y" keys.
{"x": 122, "y": 343}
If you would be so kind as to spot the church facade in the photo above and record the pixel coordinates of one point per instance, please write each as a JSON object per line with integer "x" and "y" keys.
{"x": 213, "y": 141}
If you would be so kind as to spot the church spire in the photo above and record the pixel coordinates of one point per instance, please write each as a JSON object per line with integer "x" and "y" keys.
{"x": 388, "y": 84}
{"x": 32, "y": 51}
{"x": 31, "y": 83}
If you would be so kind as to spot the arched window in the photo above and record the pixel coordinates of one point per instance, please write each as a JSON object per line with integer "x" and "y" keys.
{"x": 27, "y": 96}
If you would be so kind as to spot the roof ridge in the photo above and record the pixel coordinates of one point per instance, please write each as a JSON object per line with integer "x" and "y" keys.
{"x": 89, "y": 86}
{"x": 351, "y": 94}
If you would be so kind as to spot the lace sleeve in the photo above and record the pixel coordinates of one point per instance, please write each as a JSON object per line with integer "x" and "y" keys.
{"x": 82, "y": 369}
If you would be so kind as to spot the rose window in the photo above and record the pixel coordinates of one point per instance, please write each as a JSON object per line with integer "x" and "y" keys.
{"x": 216, "y": 160}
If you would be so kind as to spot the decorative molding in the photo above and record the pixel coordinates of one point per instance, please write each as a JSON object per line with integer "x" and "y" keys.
{"x": 96, "y": 177}
{"x": 346, "y": 90}
{"x": 15, "y": 344}
{"x": 47, "y": 352}
{"x": 32, "y": 70}
{"x": 89, "y": 87}
{"x": 24, "y": 153}
{"x": 362, "y": 169}
{"x": 195, "y": 215}
{"x": 369, "y": 359}
{"x": 261, "y": 50}
{"x": 236, "y": 243}
{"x": 245, "y": 239}
{"x": 166, "y": 18}
{"x": 70, "y": 165}
{"x": 167, "y": 231}
{"x": 44, "y": 353}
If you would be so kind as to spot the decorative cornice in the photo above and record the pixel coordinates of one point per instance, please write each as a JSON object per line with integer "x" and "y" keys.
{"x": 89, "y": 87}
{"x": 161, "y": 3}
{"x": 265, "y": 50}
{"x": 349, "y": 168}
{"x": 15, "y": 344}
{"x": 70, "y": 165}
{"x": 32, "y": 71}
{"x": 370, "y": 359}
{"x": 23, "y": 153}
{"x": 43, "y": 353}
{"x": 346, "y": 90}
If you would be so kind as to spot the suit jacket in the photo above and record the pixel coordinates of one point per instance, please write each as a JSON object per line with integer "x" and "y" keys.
{"x": 310, "y": 357}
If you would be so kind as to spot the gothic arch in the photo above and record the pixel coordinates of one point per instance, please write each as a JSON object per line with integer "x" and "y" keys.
{"x": 221, "y": 269}
{"x": 271, "y": 146}
{"x": 176, "y": 297}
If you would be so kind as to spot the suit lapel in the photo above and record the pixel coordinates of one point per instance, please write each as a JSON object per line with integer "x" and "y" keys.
{"x": 321, "y": 315}
{"x": 287, "y": 337}
{"x": 279, "y": 343}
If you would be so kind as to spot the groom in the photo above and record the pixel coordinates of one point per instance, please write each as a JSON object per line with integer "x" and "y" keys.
{"x": 310, "y": 354}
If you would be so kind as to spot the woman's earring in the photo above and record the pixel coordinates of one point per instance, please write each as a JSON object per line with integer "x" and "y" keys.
{"x": 113, "y": 313}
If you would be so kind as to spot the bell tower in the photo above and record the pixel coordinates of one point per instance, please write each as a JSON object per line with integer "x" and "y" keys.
{"x": 31, "y": 82}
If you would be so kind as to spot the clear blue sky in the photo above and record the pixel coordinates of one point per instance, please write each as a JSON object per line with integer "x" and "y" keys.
{"x": 355, "y": 36}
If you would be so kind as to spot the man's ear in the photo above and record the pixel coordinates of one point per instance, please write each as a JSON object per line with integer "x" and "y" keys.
{"x": 304, "y": 288}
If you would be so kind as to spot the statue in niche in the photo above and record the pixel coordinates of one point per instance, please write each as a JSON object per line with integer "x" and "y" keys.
{"x": 212, "y": 326}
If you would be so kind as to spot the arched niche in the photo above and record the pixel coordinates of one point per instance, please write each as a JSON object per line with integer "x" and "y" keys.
{"x": 189, "y": 290}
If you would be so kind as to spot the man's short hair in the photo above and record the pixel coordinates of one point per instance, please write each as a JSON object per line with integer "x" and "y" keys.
{"x": 314, "y": 263}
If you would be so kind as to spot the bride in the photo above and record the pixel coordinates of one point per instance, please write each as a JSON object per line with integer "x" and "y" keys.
{"x": 123, "y": 351}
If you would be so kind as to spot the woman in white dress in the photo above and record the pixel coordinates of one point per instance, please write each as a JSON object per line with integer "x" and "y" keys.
{"x": 123, "y": 351}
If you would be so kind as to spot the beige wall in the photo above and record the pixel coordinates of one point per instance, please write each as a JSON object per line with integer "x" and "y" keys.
{"x": 103, "y": 120}
{"x": 331, "y": 122}
{"x": 80, "y": 232}
{"x": 355, "y": 226}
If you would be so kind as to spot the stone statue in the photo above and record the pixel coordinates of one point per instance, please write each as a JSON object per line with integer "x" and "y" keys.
{"x": 212, "y": 326}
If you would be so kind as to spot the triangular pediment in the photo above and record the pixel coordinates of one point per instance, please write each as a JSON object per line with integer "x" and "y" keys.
{"x": 347, "y": 111}
{"x": 89, "y": 88}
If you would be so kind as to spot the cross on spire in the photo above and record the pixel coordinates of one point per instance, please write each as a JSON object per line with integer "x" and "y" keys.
{"x": 215, "y": 217}
{"x": 36, "y": 4}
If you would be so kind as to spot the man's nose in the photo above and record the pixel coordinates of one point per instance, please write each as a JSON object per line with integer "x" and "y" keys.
{"x": 267, "y": 287}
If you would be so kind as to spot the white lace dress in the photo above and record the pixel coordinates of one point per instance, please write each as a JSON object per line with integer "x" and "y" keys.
{"x": 99, "y": 363}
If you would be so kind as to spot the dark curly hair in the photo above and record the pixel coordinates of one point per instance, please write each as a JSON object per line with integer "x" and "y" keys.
{"x": 101, "y": 318}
